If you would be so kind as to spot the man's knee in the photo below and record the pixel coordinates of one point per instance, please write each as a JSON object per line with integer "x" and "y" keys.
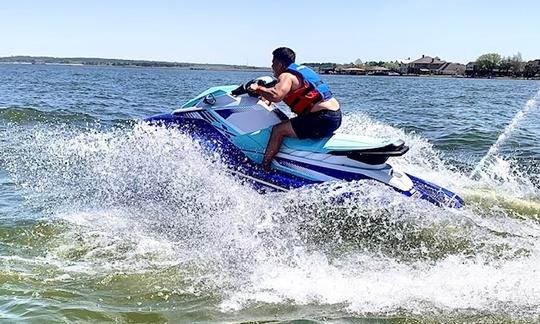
{"x": 282, "y": 129}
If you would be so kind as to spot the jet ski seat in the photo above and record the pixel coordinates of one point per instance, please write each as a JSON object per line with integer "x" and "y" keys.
{"x": 360, "y": 148}
{"x": 375, "y": 155}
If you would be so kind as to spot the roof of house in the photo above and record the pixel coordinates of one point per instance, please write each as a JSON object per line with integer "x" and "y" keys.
{"x": 451, "y": 66}
{"x": 404, "y": 61}
{"x": 428, "y": 60}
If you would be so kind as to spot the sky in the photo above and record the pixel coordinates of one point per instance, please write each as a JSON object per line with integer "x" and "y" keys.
{"x": 246, "y": 32}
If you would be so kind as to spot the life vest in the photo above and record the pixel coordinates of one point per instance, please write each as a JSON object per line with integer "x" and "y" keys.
{"x": 312, "y": 91}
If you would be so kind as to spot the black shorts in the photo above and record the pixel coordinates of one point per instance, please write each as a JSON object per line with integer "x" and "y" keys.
{"x": 319, "y": 124}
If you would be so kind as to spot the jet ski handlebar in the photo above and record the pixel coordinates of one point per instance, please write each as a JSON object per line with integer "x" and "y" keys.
{"x": 264, "y": 81}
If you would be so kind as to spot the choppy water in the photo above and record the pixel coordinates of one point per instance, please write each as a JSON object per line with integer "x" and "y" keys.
{"x": 103, "y": 218}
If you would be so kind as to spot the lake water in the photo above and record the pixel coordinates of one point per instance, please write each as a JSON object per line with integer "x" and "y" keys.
{"x": 106, "y": 219}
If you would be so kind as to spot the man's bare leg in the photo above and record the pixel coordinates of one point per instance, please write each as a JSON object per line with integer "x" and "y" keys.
{"x": 279, "y": 132}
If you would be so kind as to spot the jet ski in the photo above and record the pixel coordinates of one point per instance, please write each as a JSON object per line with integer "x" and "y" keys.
{"x": 237, "y": 124}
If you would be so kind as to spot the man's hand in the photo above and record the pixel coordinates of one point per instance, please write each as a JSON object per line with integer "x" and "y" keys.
{"x": 253, "y": 87}
{"x": 266, "y": 101}
{"x": 275, "y": 93}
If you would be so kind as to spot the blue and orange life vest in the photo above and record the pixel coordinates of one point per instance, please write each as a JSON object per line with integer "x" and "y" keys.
{"x": 312, "y": 91}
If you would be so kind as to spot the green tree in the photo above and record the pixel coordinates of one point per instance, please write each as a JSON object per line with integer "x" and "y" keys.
{"x": 512, "y": 65}
{"x": 505, "y": 65}
{"x": 489, "y": 62}
{"x": 394, "y": 66}
{"x": 517, "y": 64}
{"x": 530, "y": 70}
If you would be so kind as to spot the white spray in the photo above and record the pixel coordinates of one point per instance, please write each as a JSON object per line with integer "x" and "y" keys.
{"x": 531, "y": 103}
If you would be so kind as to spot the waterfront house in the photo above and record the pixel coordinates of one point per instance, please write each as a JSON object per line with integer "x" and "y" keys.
{"x": 425, "y": 65}
{"x": 471, "y": 69}
{"x": 377, "y": 70}
{"x": 403, "y": 65}
{"x": 327, "y": 70}
{"x": 353, "y": 71}
{"x": 452, "y": 69}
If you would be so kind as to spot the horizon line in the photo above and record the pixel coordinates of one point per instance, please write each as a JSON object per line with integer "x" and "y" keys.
{"x": 206, "y": 63}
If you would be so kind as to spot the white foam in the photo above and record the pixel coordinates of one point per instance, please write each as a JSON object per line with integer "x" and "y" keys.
{"x": 370, "y": 284}
{"x": 141, "y": 199}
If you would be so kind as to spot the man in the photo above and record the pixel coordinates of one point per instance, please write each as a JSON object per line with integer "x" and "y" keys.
{"x": 317, "y": 111}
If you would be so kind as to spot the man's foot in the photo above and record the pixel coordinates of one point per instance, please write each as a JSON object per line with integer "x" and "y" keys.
{"x": 266, "y": 166}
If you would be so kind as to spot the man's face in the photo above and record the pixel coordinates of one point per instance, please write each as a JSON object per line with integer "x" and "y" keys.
{"x": 277, "y": 67}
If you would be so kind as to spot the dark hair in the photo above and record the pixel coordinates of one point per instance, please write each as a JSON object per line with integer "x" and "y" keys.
{"x": 284, "y": 55}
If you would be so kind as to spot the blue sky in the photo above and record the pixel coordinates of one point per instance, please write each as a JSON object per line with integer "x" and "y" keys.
{"x": 246, "y": 32}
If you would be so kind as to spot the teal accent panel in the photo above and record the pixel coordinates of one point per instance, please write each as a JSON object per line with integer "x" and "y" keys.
{"x": 253, "y": 142}
{"x": 216, "y": 91}
{"x": 313, "y": 145}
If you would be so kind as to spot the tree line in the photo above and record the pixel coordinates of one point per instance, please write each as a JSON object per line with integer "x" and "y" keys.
{"x": 493, "y": 64}
{"x": 391, "y": 65}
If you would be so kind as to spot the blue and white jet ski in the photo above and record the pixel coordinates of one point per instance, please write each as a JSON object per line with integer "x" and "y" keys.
{"x": 229, "y": 120}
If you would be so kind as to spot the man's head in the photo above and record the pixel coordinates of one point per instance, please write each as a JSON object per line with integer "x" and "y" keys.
{"x": 283, "y": 57}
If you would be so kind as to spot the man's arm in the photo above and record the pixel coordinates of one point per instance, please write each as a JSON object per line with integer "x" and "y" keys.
{"x": 277, "y": 92}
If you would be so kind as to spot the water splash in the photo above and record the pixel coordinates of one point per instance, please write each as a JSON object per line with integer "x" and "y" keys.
{"x": 494, "y": 149}
{"x": 421, "y": 160}
{"x": 147, "y": 200}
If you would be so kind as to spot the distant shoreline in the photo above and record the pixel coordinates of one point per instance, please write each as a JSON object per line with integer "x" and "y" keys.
{"x": 436, "y": 76}
{"x": 103, "y": 62}
{"x": 84, "y": 61}
{"x": 211, "y": 67}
